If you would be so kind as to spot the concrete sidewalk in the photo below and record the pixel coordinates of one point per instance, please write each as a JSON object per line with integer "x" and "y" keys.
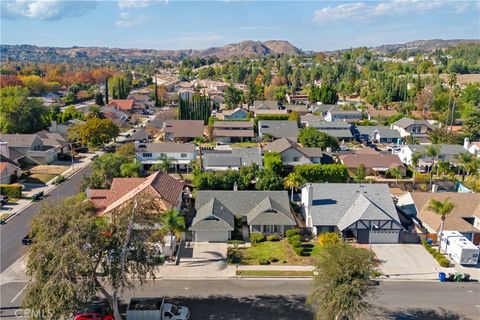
{"x": 23, "y": 203}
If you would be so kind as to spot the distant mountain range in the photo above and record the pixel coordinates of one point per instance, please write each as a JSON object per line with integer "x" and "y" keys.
{"x": 241, "y": 49}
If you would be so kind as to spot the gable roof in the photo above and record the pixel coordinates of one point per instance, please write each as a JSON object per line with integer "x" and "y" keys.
{"x": 371, "y": 160}
{"x": 122, "y": 104}
{"x": 184, "y": 128}
{"x": 266, "y": 211}
{"x": 467, "y": 205}
{"x": 279, "y": 128}
{"x": 236, "y": 157}
{"x": 233, "y": 111}
{"x": 165, "y": 147}
{"x": 265, "y": 104}
{"x": 18, "y": 140}
{"x": 331, "y": 201}
{"x": 282, "y": 144}
{"x": 52, "y": 139}
{"x": 213, "y": 216}
{"x": 159, "y": 184}
{"x": 406, "y": 122}
{"x": 445, "y": 149}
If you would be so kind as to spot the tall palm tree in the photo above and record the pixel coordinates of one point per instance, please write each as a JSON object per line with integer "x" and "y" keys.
{"x": 173, "y": 223}
{"x": 432, "y": 151}
{"x": 198, "y": 141}
{"x": 293, "y": 181}
{"x": 464, "y": 161}
{"x": 95, "y": 111}
{"x": 394, "y": 173}
{"x": 164, "y": 164}
{"x": 441, "y": 208}
{"x": 452, "y": 81}
{"x": 416, "y": 156}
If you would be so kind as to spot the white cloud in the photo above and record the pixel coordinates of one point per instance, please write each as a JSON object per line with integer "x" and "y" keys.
{"x": 364, "y": 11}
{"x": 126, "y": 20}
{"x": 130, "y": 4}
{"x": 45, "y": 9}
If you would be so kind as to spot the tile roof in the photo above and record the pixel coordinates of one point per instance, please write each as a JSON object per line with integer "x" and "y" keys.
{"x": 467, "y": 205}
{"x": 184, "y": 128}
{"x": 122, "y": 104}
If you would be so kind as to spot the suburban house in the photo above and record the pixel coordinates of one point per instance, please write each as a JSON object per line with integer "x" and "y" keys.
{"x": 125, "y": 105}
{"x": 8, "y": 168}
{"x": 179, "y": 154}
{"x": 62, "y": 128}
{"x": 268, "y": 112}
{"x": 296, "y": 98}
{"x": 234, "y": 159}
{"x": 376, "y": 163}
{"x": 310, "y": 118}
{"x": 472, "y": 147}
{"x": 265, "y": 105}
{"x": 377, "y": 134}
{"x": 301, "y": 109}
{"x": 118, "y": 116}
{"x": 464, "y": 218}
{"x": 365, "y": 212}
{"x": 257, "y": 211}
{"x": 56, "y": 140}
{"x": 412, "y": 127}
{"x": 140, "y": 135}
{"x": 322, "y": 109}
{"x": 182, "y": 130}
{"x": 448, "y": 152}
{"x": 293, "y": 153}
{"x": 235, "y": 114}
{"x": 167, "y": 191}
{"x": 28, "y": 148}
{"x": 278, "y": 129}
{"x": 337, "y": 129}
{"x": 337, "y": 114}
{"x": 233, "y": 131}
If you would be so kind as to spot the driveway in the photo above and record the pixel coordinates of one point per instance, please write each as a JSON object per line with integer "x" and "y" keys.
{"x": 209, "y": 251}
{"x": 406, "y": 261}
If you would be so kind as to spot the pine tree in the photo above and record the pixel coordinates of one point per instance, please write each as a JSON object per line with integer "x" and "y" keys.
{"x": 106, "y": 90}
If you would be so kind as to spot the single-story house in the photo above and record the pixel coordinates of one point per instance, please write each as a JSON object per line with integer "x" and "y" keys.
{"x": 167, "y": 190}
{"x": 140, "y": 135}
{"x": 301, "y": 109}
{"x": 265, "y": 105}
{"x": 235, "y": 114}
{"x": 310, "y": 118}
{"x": 338, "y": 129}
{"x": 234, "y": 159}
{"x": 464, "y": 218}
{"x": 377, "y": 134}
{"x": 261, "y": 211}
{"x": 127, "y": 105}
{"x": 365, "y": 212}
{"x": 375, "y": 162}
{"x": 293, "y": 153}
{"x": 179, "y": 154}
{"x": 448, "y": 152}
{"x": 278, "y": 129}
{"x": 337, "y": 114}
{"x": 182, "y": 130}
{"x": 322, "y": 109}
{"x": 233, "y": 131}
{"x": 56, "y": 140}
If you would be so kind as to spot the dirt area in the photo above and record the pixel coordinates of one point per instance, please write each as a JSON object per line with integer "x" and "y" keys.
{"x": 49, "y": 169}
{"x": 39, "y": 178}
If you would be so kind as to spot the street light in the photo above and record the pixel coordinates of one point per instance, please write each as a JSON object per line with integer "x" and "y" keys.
{"x": 373, "y": 226}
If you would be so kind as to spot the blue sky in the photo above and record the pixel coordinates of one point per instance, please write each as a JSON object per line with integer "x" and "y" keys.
{"x": 310, "y": 25}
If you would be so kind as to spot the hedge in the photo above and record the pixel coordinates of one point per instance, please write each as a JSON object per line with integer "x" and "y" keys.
{"x": 292, "y": 232}
{"x": 11, "y": 190}
{"x": 273, "y": 237}
{"x": 256, "y": 237}
{"x": 441, "y": 259}
{"x": 334, "y": 173}
{"x": 272, "y": 117}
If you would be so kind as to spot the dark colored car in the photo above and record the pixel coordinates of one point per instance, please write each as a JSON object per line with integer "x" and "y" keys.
{"x": 81, "y": 150}
{"x": 3, "y": 200}
{"x": 109, "y": 149}
{"x": 97, "y": 311}
{"x": 28, "y": 239}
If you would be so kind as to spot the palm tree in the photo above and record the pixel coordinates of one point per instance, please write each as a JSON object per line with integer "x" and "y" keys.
{"x": 416, "y": 156}
{"x": 198, "y": 141}
{"x": 464, "y": 161}
{"x": 164, "y": 164}
{"x": 394, "y": 173}
{"x": 95, "y": 111}
{"x": 173, "y": 223}
{"x": 441, "y": 208}
{"x": 293, "y": 181}
{"x": 432, "y": 151}
{"x": 452, "y": 80}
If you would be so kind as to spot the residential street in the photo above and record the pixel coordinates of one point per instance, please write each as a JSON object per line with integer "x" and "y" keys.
{"x": 16, "y": 228}
{"x": 239, "y": 299}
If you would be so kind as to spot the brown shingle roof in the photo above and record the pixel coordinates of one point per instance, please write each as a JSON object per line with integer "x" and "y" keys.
{"x": 234, "y": 133}
{"x": 371, "y": 160}
{"x": 233, "y": 124}
{"x": 184, "y": 128}
{"x": 467, "y": 205}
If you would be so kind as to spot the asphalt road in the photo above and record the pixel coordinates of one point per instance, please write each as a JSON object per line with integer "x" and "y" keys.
{"x": 11, "y": 233}
{"x": 241, "y": 299}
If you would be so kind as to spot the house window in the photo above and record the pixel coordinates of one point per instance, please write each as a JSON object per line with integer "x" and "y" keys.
{"x": 147, "y": 155}
{"x": 162, "y": 155}
{"x": 271, "y": 229}
{"x": 183, "y": 155}
{"x": 296, "y": 159}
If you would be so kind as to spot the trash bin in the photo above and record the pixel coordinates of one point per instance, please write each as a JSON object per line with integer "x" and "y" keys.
{"x": 458, "y": 277}
{"x": 442, "y": 276}
{"x": 451, "y": 277}
{"x": 466, "y": 277}
{"x": 429, "y": 241}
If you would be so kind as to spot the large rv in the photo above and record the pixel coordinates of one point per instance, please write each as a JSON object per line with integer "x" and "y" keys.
{"x": 459, "y": 248}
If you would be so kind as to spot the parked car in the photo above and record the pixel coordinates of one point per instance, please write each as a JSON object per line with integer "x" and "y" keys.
{"x": 98, "y": 311}
{"x": 109, "y": 149}
{"x": 28, "y": 239}
{"x": 155, "y": 309}
{"x": 3, "y": 200}
{"x": 344, "y": 148}
{"x": 81, "y": 150}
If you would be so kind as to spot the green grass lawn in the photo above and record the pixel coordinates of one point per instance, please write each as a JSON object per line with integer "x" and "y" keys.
{"x": 244, "y": 144}
{"x": 274, "y": 273}
{"x": 39, "y": 178}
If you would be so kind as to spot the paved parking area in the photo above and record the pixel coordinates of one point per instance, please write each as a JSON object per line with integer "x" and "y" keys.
{"x": 406, "y": 261}
{"x": 209, "y": 251}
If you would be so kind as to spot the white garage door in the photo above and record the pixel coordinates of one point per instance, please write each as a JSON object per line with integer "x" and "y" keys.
{"x": 384, "y": 236}
{"x": 211, "y": 236}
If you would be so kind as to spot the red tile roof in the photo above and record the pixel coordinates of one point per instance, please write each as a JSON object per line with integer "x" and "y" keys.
{"x": 122, "y": 104}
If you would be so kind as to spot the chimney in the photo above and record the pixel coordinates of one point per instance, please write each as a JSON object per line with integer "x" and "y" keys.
{"x": 466, "y": 143}
{"x": 235, "y": 186}
{"x": 309, "y": 195}
{"x": 4, "y": 151}
{"x": 53, "y": 127}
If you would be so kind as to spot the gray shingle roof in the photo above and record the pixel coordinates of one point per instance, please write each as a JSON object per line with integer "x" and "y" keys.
{"x": 384, "y": 131}
{"x": 213, "y": 216}
{"x": 19, "y": 140}
{"x": 221, "y": 160}
{"x": 332, "y": 201}
{"x": 265, "y": 104}
{"x": 405, "y": 122}
{"x": 330, "y": 124}
{"x": 279, "y": 128}
{"x": 338, "y": 133}
{"x": 252, "y": 204}
{"x": 445, "y": 149}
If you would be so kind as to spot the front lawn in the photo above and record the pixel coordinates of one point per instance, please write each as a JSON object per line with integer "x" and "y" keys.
{"x": 278, "y": 252}
{"x": 39, "y": 178}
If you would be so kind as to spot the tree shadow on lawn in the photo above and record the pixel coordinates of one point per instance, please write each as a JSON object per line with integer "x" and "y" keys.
{"x": 418, "y": 314}
{"x": 244, "y": 308}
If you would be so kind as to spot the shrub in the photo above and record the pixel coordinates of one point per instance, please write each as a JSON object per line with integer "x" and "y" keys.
{"x": 323, "y": 172}
{"x": 328, "y": 238}
{"x": 256, "y": 237}
{"x": 296, "y": 244}
{"x": 11, "y": 190}
{"x": 59, "y": 179}
{"x": 263, "y": 262}
{"x": 235, "y": 242}
{"x": 292, "y": 232}
{"x": 273, "y": 237}
{"x": 436, "y": 255}
{"x": 295, "y": 237}
{"x": 234, "y": 255}
{"x": 443, "y": 262}
{"x": 274, "y": 260}
{"x": 298, "y": 250}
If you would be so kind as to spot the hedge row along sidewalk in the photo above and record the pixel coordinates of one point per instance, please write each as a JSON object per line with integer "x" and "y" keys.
{"x": 441, "y": 259}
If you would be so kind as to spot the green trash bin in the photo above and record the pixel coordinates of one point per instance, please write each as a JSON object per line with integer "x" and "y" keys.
{"x": 458, "y": 277}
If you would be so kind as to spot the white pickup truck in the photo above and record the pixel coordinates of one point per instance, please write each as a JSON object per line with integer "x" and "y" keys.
{"x": 155, "y": 309}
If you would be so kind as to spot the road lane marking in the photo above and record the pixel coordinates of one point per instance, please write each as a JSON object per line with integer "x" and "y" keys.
{"x": 19, "y": 293}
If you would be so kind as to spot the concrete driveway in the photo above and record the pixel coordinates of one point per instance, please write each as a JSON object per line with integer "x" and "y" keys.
{"x": 209, "y": 251}
{"x": 407, "y": 261}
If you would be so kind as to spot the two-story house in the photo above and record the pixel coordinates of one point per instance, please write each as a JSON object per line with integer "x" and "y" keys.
{"x": 293, "y": 153}
{"x": 418, "y": 129}
{"x": 377, "y": 134}
{"x": 182, "y": 130}
{"x": 337, "y": 114}
{"x": 447, "y": 152}
{"x": 179, "y": 155}
{"x": 233, "y": 131}
{"x": 27, "y": 148}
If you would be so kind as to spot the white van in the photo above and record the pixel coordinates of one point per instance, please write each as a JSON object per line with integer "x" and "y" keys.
{"x": 459, "y": 248}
